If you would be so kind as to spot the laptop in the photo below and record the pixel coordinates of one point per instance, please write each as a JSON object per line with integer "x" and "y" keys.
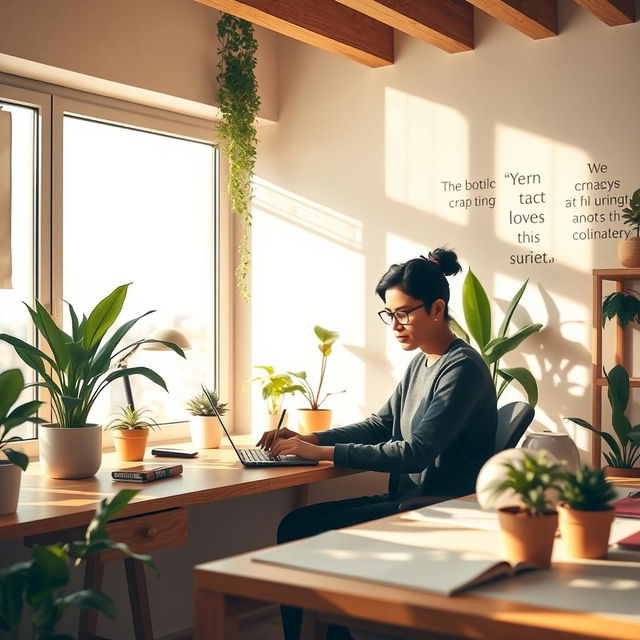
{"x": 258, "y": 457}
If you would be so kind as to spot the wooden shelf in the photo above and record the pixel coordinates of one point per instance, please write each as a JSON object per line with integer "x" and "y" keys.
{"x": 633, "y": 382}
{"x": 617, "y": 274}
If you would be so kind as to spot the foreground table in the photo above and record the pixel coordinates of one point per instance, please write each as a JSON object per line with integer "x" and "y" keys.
{"x": 574, "y": 601}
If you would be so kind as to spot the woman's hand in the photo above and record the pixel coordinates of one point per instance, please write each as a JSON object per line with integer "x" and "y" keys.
{"x": 301, "y": 447}
{"x": 269, "y": 437}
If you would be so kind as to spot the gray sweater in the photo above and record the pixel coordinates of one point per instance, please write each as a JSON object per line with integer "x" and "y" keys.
{"x": 433, "y": 434}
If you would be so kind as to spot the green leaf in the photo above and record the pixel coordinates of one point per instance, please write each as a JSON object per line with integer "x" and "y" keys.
{"x": 136, "y": 371}
{"x": 299, "y": 374}
{"x": 50, "y": 570}
{"x": 510, "y": 310}
{"x": 56, "y": 338}
{"x": 457, "y": 328}
{"x": 30, "y": 355}
{"x": 618, "y": 390}
{"x": 104, "y": 315}
{"x": 18, "y": 458}
{"x": 109, "y": 509}
{"x": 325, "y": 336}
{"x": 526, "y": 380}
{"x": 169, "y": 345}
{"x": 498, "y": 347}
{"x": 607, "y": 437}
{"x": 20, "y": 414}
{"x": 103, "y": 544}
{"x": 477, "y": 310}
{"x": 90, "y": 599}
{"x": 11, "y": 385}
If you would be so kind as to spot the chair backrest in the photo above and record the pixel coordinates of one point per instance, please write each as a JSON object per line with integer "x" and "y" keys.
{"x": 513, "y": 420}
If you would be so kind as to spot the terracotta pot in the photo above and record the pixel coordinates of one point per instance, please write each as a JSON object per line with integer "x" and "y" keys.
{"x": 131, "y": 444}
{"x": 70, "y": 454}
{"x": 629, "y": 252}
{"x": 206, "y": 432}
{"x": 10, "y": 478}
{"x": 310, "y": 420}
{"x": 527, "y": 538}
{"x": 619, "y": 472}
{"x": 585, "y": 534}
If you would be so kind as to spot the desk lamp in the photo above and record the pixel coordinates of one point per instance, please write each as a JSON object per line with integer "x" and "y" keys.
{"x": 163, "y": 335}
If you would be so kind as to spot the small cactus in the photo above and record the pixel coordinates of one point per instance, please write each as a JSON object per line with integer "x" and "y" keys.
{"x": 587, "y": 490}
{"x": 199, "y": 405}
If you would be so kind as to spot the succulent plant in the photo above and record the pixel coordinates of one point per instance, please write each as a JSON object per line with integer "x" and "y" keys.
{"x": 199, "y": 405}
{"x": 587, "y": 490}
{"x": 130, "y": 418}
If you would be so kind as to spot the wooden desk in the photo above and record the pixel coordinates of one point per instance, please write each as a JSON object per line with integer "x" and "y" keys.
{"x": 216, "y": 474}
{"x": 495, "y": 611}
{"x": 56, "y": 510}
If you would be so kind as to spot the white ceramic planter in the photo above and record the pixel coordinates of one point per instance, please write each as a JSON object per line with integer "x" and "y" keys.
{"x": 70, "y": 454}
{"x": 206, "y": 432}
{"x": 10, "y": 477}
{"x": 559, "y": 445}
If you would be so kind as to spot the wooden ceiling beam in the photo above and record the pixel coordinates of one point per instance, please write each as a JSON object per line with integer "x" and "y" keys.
{"x": 322, "y": 23}
{"x": 537, "y": 19}
{"x": 447, "y": 24}
{"x": 611, "y": 12}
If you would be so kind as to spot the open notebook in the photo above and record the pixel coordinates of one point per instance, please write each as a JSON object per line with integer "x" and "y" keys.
{"x": 355, "y": 556}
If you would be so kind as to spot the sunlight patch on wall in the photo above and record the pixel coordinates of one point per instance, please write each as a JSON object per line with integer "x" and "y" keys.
{"x": 307, "y": 270}
{"x": 425, "y": 143}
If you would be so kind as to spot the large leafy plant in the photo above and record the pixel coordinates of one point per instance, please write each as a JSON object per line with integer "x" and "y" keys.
{"x": 274, "y": 387}
{"x": 11, "y": 386}
{"x": 477, "y": 313}
{"x": 624, "y": 446}
{"x": 77, "y": 368}
{"x": 625, "y": 305}
{"x": 239, "y": 102}
{"x": 327, "y": 338}
{"x": 40, "y": 581}
{"x": 531, "y": 479}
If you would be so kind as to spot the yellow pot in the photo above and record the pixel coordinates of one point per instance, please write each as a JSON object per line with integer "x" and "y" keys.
{"x": 585, "y": 534}
{"x": 527, "y": 538}
{"x": 310, "y": 420}
{"x": 131, "y": 444}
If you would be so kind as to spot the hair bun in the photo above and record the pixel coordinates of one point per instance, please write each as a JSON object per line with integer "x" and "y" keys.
{"x": 447, "y": 261}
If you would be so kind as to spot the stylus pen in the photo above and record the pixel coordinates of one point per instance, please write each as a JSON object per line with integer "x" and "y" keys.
{"x": 281, "y": 419}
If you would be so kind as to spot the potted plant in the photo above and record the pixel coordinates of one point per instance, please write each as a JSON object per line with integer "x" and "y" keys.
{"x": 477, "y": 313}
{"x": 315, "y": 418}
{"x": 624, "y": 446}
{"x": 274, "y": 387}
{"x": 585, "y": 515}
{"x": 75, "y": 369}
{"x": 40, "y": 581}
{"x": 11, "y": 386}
{"x": 623, "y": 304}
{"x": 527, "y": 531}
{"x": 130, "y": 432}
{"x": 206, "y": 432}
{"x": 629, "y": 248}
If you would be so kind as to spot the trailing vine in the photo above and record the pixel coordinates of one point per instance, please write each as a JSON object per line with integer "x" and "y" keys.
{"x": 238, "y": 101}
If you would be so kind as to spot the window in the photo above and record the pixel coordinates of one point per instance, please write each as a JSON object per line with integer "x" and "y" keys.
{"x": 139, "y": 207}
{"x": 126, "y": 193}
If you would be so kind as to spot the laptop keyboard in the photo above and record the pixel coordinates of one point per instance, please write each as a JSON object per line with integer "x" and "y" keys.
{"x": 258, "y": 455}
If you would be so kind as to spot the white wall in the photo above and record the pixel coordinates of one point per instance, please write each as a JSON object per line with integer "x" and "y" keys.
{"x": 350, "y": 181}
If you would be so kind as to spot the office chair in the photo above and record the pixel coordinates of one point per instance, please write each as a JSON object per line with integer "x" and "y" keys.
{"x": 513, "y": 420}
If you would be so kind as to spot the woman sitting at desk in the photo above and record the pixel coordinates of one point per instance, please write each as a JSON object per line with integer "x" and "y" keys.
{"x": 433, "y": 434}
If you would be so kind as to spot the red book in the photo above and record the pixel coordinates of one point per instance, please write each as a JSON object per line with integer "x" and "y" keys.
{"x": 146, "y": 473}
{"x": 627, "y": 507}
{"x": 631, "y": 542}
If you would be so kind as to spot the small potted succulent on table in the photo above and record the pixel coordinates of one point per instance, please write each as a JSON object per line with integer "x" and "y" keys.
{"x": 585, "y": 513}
{"x": 206, "y": 432}
{"x": 314, "y": 418}
{"x": 11, "y": 386}
{"x": 130, "y": 432}
{"x": 528, "y": 530}
{"x": 624, "y": 442}
{"x": 274, "y": 387}
{"x": 629, "y": 248}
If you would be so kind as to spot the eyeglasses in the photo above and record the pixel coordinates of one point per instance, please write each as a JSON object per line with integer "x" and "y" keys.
{"x": 401, "y": 317}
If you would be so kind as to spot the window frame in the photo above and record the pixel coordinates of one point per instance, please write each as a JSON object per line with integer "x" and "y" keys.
{"x": 53, "y": 103}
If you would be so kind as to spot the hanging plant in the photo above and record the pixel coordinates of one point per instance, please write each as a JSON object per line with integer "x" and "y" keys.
{"x": 239, "y": 102}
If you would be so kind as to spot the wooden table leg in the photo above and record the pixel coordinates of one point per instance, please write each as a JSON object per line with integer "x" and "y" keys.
{"x": 212, "y": 620}
{"x": 93, "y": 574}
{"x": 312, "y": 627}
{"x": 300, "y": 496}
{"x": 139, "y": 599}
